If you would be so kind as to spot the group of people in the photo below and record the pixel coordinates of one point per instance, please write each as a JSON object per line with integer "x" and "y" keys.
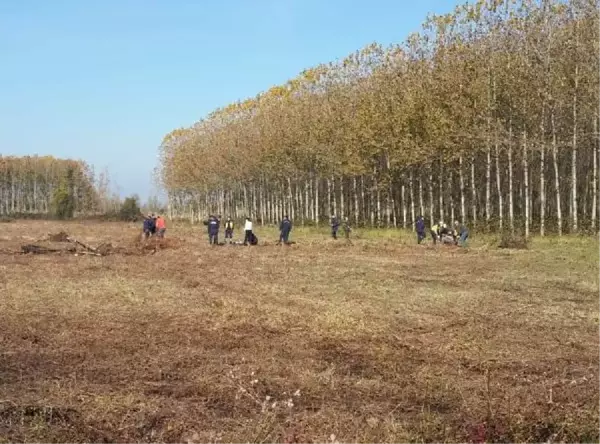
{"x": 285, "y": 228}
{"x": 443, "y": 233}
{"x": 335, "y": 226}
{"x": 214, "y": 226}
{"x": 154, "y": 226}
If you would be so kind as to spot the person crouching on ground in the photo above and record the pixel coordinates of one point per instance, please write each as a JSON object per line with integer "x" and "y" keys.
{"x": 213, "y": 230}
{"x": 284, "y": 230}
{"x": 248, "y": 231}
{"x": 149, "y": 227}
{"x": 447, "y": 235}
{"x": 420, "y": 226}
{"x": 229, "y": 230}
{"x": 161, "y": 227}
{"x": 462, "y": 232}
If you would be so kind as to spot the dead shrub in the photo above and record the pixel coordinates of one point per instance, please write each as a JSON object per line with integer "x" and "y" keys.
{"x": 61, "y": 236}
{"x": 513, "y": 241}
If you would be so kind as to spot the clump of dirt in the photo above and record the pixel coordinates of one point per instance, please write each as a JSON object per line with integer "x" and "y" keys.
{"x": 50, "y": 415}
{"x": 151, "y": 245}
{"x": 57, "y": 424}
{"x": 61, "y": 236}
{"x": 105, "y": 249}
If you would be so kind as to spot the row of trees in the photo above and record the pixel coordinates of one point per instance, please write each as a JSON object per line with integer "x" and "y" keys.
{"x": 46, "y": 185}
{"x": 489, "y": 116}
{"x": 50, "y": 187}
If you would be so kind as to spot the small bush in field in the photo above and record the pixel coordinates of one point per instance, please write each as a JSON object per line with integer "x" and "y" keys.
{"x": 513, "y": 241}
{"x": 130, "y": 210}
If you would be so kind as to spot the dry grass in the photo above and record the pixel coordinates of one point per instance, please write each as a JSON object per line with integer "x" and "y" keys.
{"x": 380, "y": 340}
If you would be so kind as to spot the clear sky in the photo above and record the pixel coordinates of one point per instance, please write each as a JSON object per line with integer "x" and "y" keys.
{"x": 105, "y": 80}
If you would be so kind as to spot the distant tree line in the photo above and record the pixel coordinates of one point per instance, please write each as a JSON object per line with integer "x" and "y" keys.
{"x": 489, "y": 116}
{"x": 41, "y": 186}
{"x": 47, "y": 187}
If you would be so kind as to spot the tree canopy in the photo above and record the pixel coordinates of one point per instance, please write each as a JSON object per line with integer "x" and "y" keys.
{"x": 489, "y": 115}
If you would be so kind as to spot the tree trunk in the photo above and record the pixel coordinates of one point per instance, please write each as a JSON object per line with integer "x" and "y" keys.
{"x": 412, "y": 199}
{"x": 328, "y": 181}
{"x": 290, "y": 199}
{"x": 511, "y": 207}
{"x": 461, "y": 179}
{"x": 451, "y": 195}
{"x": 306, "y": 201}
{"x": 526, "y": 183}
{"x": 488, "y": 175}
{"x": 362, "y": 198}
{"x": 542, "y": 185}
{"x": 394, "y": 219}
{"x": 263, "y": 203}
{"x": 317, "y": 200}
{"x": 356, "y": 208}
{"x": 473, "y": 191}
{"x": 595, "y": 174}
{"x": 441, "y": 186}
{"x": 342, "y": 209}
{"x": 431, "y": 203}
{"x": 311, "y": 196}
{"x": 421, "y": 207}
{"x": 371, "y": 200}
{"x": 334, "y": 197}
{"x": 403, "y": 197}
{"x": 574, "y": 156}
{"x": 378, "y": 194}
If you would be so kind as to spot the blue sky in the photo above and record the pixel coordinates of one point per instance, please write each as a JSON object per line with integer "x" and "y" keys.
{"x": 105, "y": 80}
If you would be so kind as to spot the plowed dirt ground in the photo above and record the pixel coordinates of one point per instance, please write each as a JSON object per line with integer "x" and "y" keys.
{"x": 322, "y": 341}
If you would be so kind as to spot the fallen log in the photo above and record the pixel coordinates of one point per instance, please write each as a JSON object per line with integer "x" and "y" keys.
{"x": 88, "y": 253}
{"x": 87, "y": 247}
{"x": 37, "y": 249}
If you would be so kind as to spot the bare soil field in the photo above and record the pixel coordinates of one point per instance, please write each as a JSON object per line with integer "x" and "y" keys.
{"x": 322, "y": 341}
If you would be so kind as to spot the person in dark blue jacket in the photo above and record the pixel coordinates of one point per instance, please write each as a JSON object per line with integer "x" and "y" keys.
{"x": 213, "y": 230}
{"x": 284, "y": 230}
{"x": 420, "y": 226}
{"x": 335, "y": 225}
{"x": 149, "y": 226}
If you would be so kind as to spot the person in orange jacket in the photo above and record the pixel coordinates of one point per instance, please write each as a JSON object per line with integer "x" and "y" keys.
{"x": 160, "y": 226}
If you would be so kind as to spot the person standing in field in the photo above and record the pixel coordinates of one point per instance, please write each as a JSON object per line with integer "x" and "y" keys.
{"x": 346, "y": 227}
{"x": 462, "y": 232}
{"x": 435, "y": 233}
{"x": 284, "y": 230}
{"x": 149, "y": 227}
{"x": 153, "y": 224}
{"x": 420, "y": 226}
{"x": 213, "y": 230}
{"x": 229, "y": 230}
{"x": 248, "y": 231}
{"x": 335, "y": 225}
{"x": 161, "y": 227}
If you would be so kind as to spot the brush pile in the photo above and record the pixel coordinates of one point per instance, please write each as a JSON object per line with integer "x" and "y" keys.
{"x": 61, "y": 242}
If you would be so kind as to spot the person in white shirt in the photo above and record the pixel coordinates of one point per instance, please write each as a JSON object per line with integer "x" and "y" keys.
{"x": 248, "y": 231}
